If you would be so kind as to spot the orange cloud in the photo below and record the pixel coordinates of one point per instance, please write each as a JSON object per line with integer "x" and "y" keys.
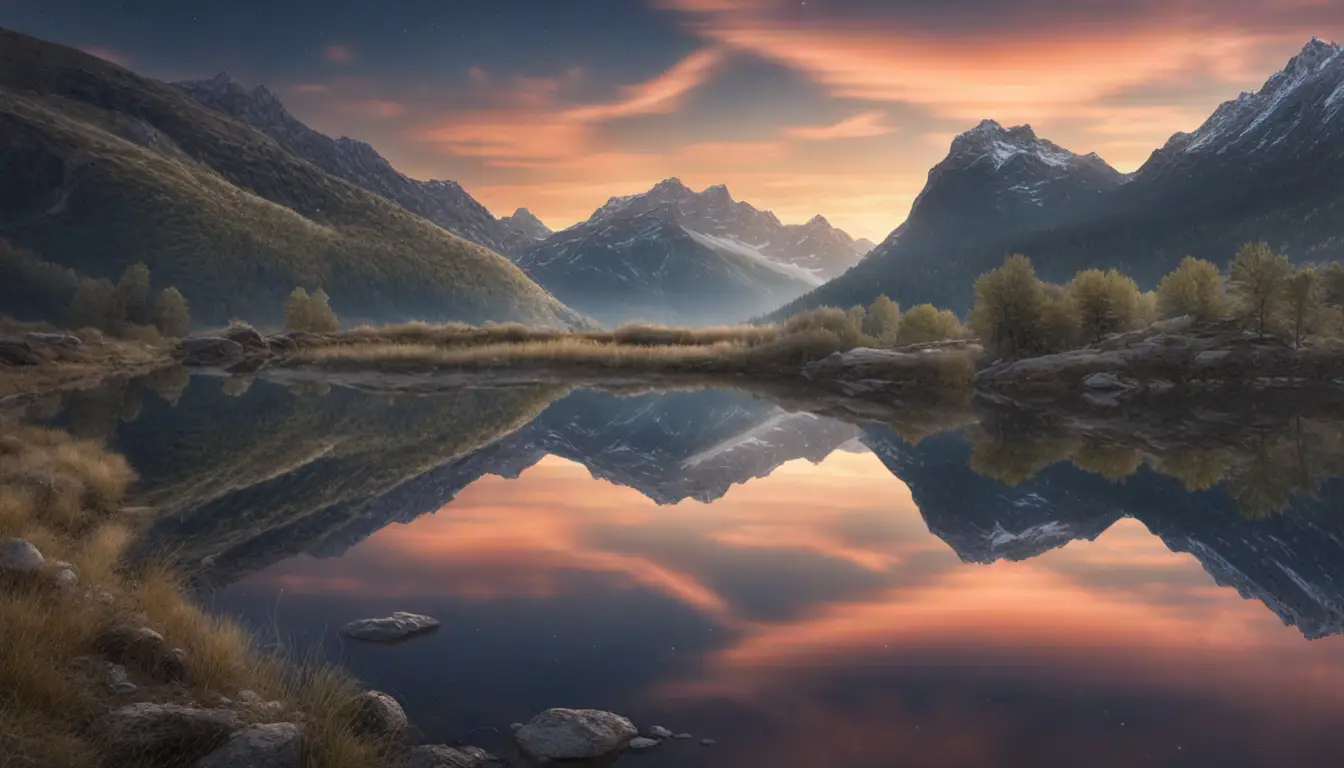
{"x": 862, "y": 125}
{"x": 661, "y": 95}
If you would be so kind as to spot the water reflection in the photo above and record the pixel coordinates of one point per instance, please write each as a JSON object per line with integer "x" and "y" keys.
{"x": 1024, "y": 588}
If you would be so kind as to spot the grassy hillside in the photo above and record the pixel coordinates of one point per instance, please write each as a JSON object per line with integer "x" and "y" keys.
{"x": 104, "y": 168}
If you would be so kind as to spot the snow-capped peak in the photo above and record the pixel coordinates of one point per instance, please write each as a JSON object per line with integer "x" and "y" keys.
{"x": 991, "y": 142}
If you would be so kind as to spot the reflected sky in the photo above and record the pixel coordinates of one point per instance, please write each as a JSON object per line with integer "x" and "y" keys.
{"x": 810, "y": 619}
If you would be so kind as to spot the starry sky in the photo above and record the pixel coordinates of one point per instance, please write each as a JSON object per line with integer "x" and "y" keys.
{"x": 838, "y": 107}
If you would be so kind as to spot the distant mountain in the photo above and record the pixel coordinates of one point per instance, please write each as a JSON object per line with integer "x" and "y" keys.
{"x": 102, "y": 168}
{"x": 675, "y": 255}
{"x": 526, "y": 228}
{"x": 443, "y": 202}
{"x": 1263, "y": 167}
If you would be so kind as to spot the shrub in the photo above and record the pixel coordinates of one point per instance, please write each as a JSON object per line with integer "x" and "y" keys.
{"x": 926, "y": 323}
{"x": 1010, "y": 304}
{"x": 829, "y": 319}
{"x": 1302, "y": 297}
{"x": 1106, "y": 302}
{"x": 310, "y": 312}
{"x": 1195, "y": 288}
{"x": 171, "y": 314}
{"x": 133, "y": 294}
{"x": 1259, "y": 277}
{"x": 1332, "y": 285}
{"x": 94, "y": 305}
{"x": 883, "y": 320}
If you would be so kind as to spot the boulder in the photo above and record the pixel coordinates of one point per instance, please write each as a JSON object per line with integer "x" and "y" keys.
{"x": 575, "y": 734}
{"x": 707, "y": 742}
{"x": 440, "y": 756}
{"x": 20, "y": 555}
{"x": 390, "y": 629}
{"x": 278, "y": 745}
{"x": 1105, "y": 381}
{"x": 379, "y": 714}
{"x": 210, "y": 350}
{"x": 245, "y": 336}
{"x": 145, "y": 650}
{"x": 17, "y": 352}
{"x": 641, "y": 743}
{"x": 59, "y": 340}
{"x": 66, "y": 578}
{"x": 659, "y": 732}
{"x": 682, "y": 736}
{"x": 168, "y": 735}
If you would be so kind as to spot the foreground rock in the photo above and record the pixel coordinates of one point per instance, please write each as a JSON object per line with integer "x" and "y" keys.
{"x": 575, "y": 734}
{"x": 278, "y": 745}
{"x": 144, "y": 649}
{"x": 20, "y": 555}
{"x": 167, "y": 734}
{"x": 379, "y": 714}
{"x": 390, "y": 629}
{"x": 210, "y": 350}
{"x": 439, "y": 756}
{"x": 865, "y": 371}
{"x": 17, "y": 352}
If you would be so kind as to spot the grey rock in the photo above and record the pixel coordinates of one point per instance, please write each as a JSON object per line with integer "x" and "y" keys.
{"x": 20, "y": 555}
{"x": 640, "y": 743}
{"x": 278, "y": 745}
{"x": 210, "y": 350}
{"x": 682, "y": 736}
{"x": 245, "y": 336}
{"x": 440, "y": 756}
{"x": 379, "y": 714}
{"x": 659, "y": 732}
{"x": 389, "y": 629}
{"x": 17, "y": 352}
{"x": 575, "y": 734}
{"x": 119, "y": 681}
{"x": 1105, "y": 381}
{"x": 515, "y": 726}
{"x": 66, "y": 578}
{"x": 708, "y": 742}
{"x": 61, "y": 340}
{"x": 166, "y": 734}
{"x": 143, "y": 649}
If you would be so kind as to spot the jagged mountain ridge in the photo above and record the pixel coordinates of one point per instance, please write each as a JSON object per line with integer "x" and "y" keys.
{"x": 1262, "y": 167}
{"x": 676, "y": 255}
{"x": 445, "y": 203}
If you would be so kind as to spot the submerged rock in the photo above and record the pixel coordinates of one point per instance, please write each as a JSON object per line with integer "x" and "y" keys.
{"x": 167, "y": 734}
{"x": 20, "y": 555}
{"x": 440, "y": 756}
{"x": 641, "y": 743}
{"x": 659, "y": 732}
{"x": 398, "y": 626}
{"x": 575, "y": 734}
{"x": 378, "y": 713}
{"x": 277, "y": 745}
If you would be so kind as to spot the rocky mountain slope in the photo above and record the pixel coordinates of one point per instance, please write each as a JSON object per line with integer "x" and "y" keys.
{"x": 679, "y": 256}
{"x": 103, "y": 168}
{"x": 443, "y": 202}
{"x": 1262, "y": 167}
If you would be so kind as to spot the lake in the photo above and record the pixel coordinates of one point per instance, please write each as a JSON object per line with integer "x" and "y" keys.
{"x": 803, "y": 590}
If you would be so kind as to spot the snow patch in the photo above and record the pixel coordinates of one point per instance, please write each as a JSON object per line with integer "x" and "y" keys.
{"x": 731, "y": 247}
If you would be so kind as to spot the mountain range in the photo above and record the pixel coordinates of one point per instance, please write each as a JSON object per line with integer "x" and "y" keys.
{"x": 1263, "y": 167}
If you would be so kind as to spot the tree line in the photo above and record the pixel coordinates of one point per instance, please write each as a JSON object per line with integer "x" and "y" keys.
{"x": 126, "y": 309}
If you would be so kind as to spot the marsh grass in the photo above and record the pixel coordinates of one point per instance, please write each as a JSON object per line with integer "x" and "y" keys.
{"x": 98, "y": 356}
{"x": 64, "y": 495}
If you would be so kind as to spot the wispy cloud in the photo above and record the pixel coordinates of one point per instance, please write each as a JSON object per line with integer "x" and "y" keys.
{"x": 860, "y": 126}
{"x": 660, "y": 95}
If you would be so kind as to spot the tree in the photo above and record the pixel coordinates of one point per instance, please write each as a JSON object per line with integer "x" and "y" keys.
{"x": 1195, "y": 288}
{"x": 298, "y": 310}
{"x": 1060, "y": 327}
{"x": 94, "y": 305}
{"x": 926, "y": 323}
{"x": 171, "y": 314}
{"x": 1107, "y": 302}
{"x": 1258, "y": 277}
{"x": 323, "y": 318}
{"x": 857, "y": 315}
{"x": 1332, "y": 285}
{"x": 883, "y": 321}
{"x": 1303, "y": 300}
{"x": 1010, "y": 304}
{"x": 133, "y": 294}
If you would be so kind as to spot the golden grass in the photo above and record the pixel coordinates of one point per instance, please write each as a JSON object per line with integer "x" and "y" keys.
{"x": 97, "y": 358}
{"x": 64, "y": 495}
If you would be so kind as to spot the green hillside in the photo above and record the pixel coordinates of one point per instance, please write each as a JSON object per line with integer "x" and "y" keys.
{"x": 103, "y": 168}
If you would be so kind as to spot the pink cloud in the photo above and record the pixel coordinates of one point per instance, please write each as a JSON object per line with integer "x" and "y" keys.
{"x": 660, "y": 95}
{"x": 862, "y": 125}
{"x": 339, "y": 53}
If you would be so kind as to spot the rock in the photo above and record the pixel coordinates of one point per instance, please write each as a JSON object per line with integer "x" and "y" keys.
{"x": 17, "y": 352}
{"x": 515, "y": 726}
{"x": 389, "y": 629}
{"x": 119, "y": 681}
{"x": 66, "y": 578}
{"x": 20, "y": 555}
{"x": 249, "y": 698}
{"x": 707, "y": 742}
{"x": 61, "y": 340}
{"x": 640, "y": 743}
{"x": 166, "y": 734}
{"x": 379, "y": 714}
{"x": 281, "y": 344}
{"x": 575, "y": 734}
{"x": 144, "y": 649}
{"x": 659, "y": 732}
{"x": 278, "y": 745}
{"x": 209, "y": 350}
{"x": 1105, "y": 381}
{"x": 682, "y": 736}
{"x": 440, "y": 756}
{"x": 246, "y": 337}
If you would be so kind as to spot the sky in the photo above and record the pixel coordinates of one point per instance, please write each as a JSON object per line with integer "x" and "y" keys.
{"x": 837, "y": 107}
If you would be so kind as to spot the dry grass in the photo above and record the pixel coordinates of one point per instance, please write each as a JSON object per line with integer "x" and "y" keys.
{"x": 97, "y": 358}
{"x": 64, "y": 496}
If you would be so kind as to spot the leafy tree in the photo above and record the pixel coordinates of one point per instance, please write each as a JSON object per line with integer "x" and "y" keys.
{"x": 1303, "y": 300}
{"x": 1195, "y": 288}
{"x": 883, "y": 321}
{"x": 1258, "y": 277}
{"x": 171, "y": 314}
{"x": 95, "y": 305}
{"x": 323, "y": 317}
{"x": 1107, "y": 302}
{"x": 1009, "y": 309}
{"x": 1060, "y": 327}
{"x": 857, "y": 315}
{"x": 133, "y": 294}
{"x": 1332, "y": 285}
{"x": 926, "y": 323}
{"x": 298, "y": 310}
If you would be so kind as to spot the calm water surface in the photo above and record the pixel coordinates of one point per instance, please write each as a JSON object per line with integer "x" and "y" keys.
{"x": 804, "y": 591}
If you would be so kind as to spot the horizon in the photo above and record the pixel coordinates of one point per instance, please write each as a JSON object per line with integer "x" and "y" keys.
{"x": 838, "y": 111}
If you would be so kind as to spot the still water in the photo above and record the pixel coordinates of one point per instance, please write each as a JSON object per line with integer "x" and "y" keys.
{"x": 805, "y": 591}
